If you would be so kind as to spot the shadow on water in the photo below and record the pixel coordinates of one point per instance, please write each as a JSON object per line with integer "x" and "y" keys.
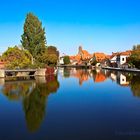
{"x": 34, "y": 96}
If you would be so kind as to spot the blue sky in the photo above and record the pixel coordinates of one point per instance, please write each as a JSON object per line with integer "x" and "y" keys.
{"x": 98, "y": 25}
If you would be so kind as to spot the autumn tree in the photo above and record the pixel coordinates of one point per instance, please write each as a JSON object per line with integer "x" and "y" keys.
{"x": 50, "y": 56}
{"x": 16, "y": 57}
{"x": 135, "y": 56}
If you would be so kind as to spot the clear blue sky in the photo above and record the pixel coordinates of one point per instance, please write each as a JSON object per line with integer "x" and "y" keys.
{"x": 99, "y": 25}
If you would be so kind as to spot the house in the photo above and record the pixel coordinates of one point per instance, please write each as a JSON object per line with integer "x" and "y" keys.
{"x": 119, "y": 59}
{"x": 99, "y": 57}
{"x": 113, "y": 58}
{"x": 122, "y": 58}
{"x": 61, "y": 61}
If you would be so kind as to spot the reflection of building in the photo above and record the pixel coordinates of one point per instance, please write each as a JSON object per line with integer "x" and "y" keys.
{"x": 113, "y": 77}
{"x": 99, "y": 76}
{"x": 81, "y": 74}
{"x": 120, "y": 78}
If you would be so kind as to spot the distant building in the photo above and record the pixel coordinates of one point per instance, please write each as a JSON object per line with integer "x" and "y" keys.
{"x": 113, "y": 58}
{"x": 82, "y": 55}
{"x": 99, "y": 57}
{"x": 119, "y": 59}
{"x": 122, "y": 58}
{"x": 61, "y": 60}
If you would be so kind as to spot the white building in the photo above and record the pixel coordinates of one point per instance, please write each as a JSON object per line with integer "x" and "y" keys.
{"x": 61, "y": 60}
{"x": 122, "y": 58}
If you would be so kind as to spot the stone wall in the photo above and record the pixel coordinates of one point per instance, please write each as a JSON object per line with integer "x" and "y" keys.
{"x": 40, "y": 72}
{"x": 2, "y": 73}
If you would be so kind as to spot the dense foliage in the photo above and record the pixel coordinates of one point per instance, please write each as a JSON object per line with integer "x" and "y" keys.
{"x": 66, "y": 60}
{"x": 135, "y": 57}
{"x": 16, "y": 57}
{"x": 33, "y": 38}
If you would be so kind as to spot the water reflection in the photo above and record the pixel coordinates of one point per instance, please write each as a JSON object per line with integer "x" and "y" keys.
{"x": 135, "y": 85}
{"x": 16, "y": 91}
{"x": 34, "y": 96}
{"x": 124, "y": 79}
{"x": 81, "y": 74}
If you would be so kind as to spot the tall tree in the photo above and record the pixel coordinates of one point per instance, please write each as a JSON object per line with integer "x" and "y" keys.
{"x": 33, "y": 38}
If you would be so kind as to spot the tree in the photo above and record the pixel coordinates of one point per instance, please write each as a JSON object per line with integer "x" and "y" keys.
{"x": 17, "y": 58}
{"x": 33, "y": 38}
{"x": 50, "y": 56}
{"x": 135, "y": 56}
{"x": 66, "y": 60}
{"x": 52, "y": 50}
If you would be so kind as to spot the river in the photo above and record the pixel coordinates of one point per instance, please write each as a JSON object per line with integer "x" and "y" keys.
{"x": 75, "y": 104}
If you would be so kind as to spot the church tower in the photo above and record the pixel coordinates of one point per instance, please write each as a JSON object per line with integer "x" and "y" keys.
{"x": 80, "y": 50}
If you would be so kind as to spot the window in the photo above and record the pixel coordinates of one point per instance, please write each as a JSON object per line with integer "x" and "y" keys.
{"x": 122, "y": 59}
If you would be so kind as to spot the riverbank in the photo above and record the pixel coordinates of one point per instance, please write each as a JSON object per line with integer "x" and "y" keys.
{"x": 122, "y": 69}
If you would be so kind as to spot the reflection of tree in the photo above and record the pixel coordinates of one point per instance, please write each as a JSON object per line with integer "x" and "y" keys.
{"x": 52, "y": 83}
{"x": 17, "y": 90}
{"x": 66, "y": 72}
{"x": 34, "y": 107}
{"x": 34, "y": 95}
{"x": 135, "y": 85}
{"x": 34, "y": 104}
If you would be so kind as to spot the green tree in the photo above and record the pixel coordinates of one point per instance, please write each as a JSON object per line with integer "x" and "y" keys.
{"x": 135, "y": 56}
{"x": 33, "y": 38}
{"x": 50, "y": 56}
{"x": 17, "y": 58}
{"x": 66, "y": 60}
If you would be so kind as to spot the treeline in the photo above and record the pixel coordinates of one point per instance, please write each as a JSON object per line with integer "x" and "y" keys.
{"x": 33, "y": 52}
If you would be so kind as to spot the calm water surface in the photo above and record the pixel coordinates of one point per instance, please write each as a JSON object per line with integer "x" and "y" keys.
{"x": 73, "y": 105}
